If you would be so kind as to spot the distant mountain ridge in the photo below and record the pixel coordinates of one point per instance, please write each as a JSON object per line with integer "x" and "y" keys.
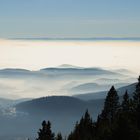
{"x": 64, "y": 68}
{"x": 91, "y": 38}
{"x": 14, "y": 70}
{"x": 78, "y": 71}
{"x": 22, "y": 83}
{"x": 69, "y": 105}
{"x": 102, "y": 94}
{"x": 68, "y": 66}
{"x": 94, "y": 87}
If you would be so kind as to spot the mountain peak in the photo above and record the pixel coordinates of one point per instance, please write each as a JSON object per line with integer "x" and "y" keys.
{"x": 68, "y": 66}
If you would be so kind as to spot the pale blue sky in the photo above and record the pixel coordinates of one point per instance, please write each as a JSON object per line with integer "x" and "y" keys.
{"x": 69, "y": 18}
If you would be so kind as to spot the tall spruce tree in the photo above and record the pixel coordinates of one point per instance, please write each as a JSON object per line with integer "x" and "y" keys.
{"x": 106, "y": 118}
{"x": 111, "y": 105}
{"x": 84, "y": 130}
{"x": 138, "y": 86}
{"x": 45, "y": 133}
{"x": 59, "y": 137}
{"x": 126, "y": 102}
{"x": 136, "y": 96}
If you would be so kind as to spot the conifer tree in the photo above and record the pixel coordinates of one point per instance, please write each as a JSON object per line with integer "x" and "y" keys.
{"x": 136, "y": 96}
{"x": 106, "y": 118}
{"x": 111, "y": 105}
{"x": 59, "y": 137}
{"x": 126, "y": 102}
{"x": 84, "y": 130}
{"x": 138, "y": 86}
{"x": 45, "y": 133}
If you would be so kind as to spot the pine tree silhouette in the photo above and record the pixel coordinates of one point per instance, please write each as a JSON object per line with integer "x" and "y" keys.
{"x": 126, "y": 102}
{"x": 136, "y": 96}
{"x": 45, "y": 133}
{"x": 59, "y": 137}
{"x": 84, "y": 130}
{"x": 111, "y": 105}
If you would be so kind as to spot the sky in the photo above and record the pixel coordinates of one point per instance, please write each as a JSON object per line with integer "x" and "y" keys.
{"x": 38, "y": 54}
{"x": 69, "y": 18}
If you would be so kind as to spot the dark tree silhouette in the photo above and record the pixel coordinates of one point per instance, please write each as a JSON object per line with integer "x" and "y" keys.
{"x": 84, "y": 130}
{"x": 126, "y": 102}
{"x": 59, "y": 137}
{"x": 136, "y": 96}
{"x": 45, "y": 133}
{"x": 111, "y": 105}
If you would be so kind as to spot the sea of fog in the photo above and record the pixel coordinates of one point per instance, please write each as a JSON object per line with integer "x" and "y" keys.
{"x": 37, "y": 54}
